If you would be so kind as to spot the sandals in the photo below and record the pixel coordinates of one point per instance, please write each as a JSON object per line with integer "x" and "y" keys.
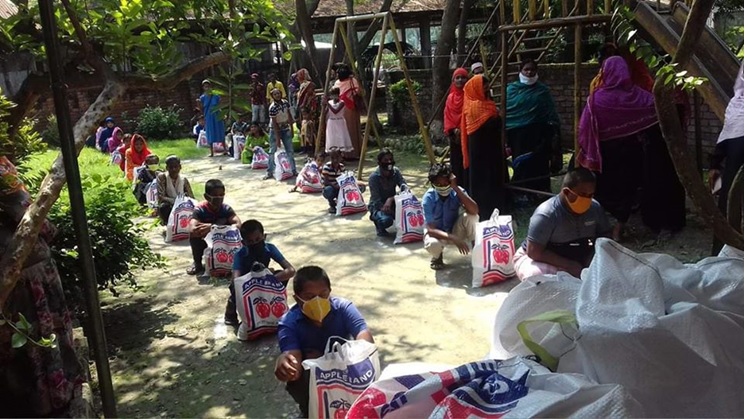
{"x": 194, "y": 271}
{"x": 436, "y": 263}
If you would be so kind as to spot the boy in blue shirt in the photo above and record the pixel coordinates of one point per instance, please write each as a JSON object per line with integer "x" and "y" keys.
{"x": 306, "y": 328}
{"x": 255, "y": 249}
{"x": 212, "y": 211}
{"x": 445, "y": 222}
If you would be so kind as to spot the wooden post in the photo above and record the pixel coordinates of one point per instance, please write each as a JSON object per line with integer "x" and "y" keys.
{"x": 322, "y": 120}
{"x": 414, "y": 102}
{"x": 607, "y": 7}
{"x": 426, "y": 40}
{"x": 531, "y": 10}
{"x": 546, "y": 9}
{"x": 564, "y": 8}
{"x": 516, "y": 12}
{"x": 590, "y": 7}
{"x": 373, "y": 92}
{"x": 577, "y": 90}
{"x": 502, "y": 12}
{"x": 503, "y": 87}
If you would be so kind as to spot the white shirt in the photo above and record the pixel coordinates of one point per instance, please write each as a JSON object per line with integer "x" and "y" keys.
{"x": 733, "y": 116}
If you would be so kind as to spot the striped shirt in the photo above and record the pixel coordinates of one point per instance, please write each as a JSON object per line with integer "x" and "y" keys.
{"x": 280, "y": 112}
{"x": 330, "y": 174}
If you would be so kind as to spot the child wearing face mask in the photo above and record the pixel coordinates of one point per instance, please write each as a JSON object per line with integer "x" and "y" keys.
{"x": 450, "y": 215}
{"x": 563, "y": 230}
{"x": 145, "y": 176}
{"x": 212, "y": 211}
{"x": 383, "y": 182}
{"x": 171, "y": 184}
{"x": 306, "y": 328}
{"x": 255, "y": 249}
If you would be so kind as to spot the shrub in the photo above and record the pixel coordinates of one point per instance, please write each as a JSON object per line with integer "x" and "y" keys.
{"x": 400, "y": 92}
{"x": 50, "y": 135}
{"x": 159, "y": 123}
{"x": 26, "y": 141}
{"x": 119, "y": 246}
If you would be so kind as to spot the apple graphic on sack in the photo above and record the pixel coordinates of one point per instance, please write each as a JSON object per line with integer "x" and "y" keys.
{"x": 342, "y": 407}
{"x": 183, "y": 222}
{"x": 278, "y": 306}
{"x": 420, "y": 217}
{"x": 413, "y": 221}
{"x": 221, "y": 256}
{"x": 500, "y": 254}
{"x": 262, "y": 307}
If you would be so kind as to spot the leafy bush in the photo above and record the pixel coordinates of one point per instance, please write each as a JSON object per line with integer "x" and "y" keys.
{"x": 400, "y": 92}
{"x": 50, "y": 135}
{"x": 159, "y": 123}
{"x": 26, "y": 141}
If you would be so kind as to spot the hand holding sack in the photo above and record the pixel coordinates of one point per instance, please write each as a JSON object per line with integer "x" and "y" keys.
{"x": 178, "y": 226}
{"x": 309, "y": 179}
{"x": 260, "y": 159}
{"x": 151, "y": 194}
{"x": 493, "y": 251}
{"x": 340, "y": 376}
{"x": 223, "y": 242}
{"x": 409, "y": 219}
{"x": 282, "y": 167}
{"x": 239, "y": 143}
{"x": 261, "y": 300}
{"x": 349, "y": 201}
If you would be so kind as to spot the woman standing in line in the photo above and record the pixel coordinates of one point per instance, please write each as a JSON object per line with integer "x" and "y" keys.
{"x": 451, "y": 124}
{"x": 214, "y": 126}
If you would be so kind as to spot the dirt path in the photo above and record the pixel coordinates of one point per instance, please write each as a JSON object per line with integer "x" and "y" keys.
{"x": 172, "y": 356}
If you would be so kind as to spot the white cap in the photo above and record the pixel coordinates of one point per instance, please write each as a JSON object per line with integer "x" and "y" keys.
{"x": 476, "y": 65}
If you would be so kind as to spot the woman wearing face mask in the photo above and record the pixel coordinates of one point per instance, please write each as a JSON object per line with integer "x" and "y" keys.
{"x": 479, "y": 140}
{"x": 451, "y": 123}
{"x": 563, "y": 230}
{"x": 532, "y": 129}
{"x": 306, "y": 328}
{"x": 450, "y": 215}
{"x": 383, "y": 182}
{"x": 135, "y": 155}
{"x": 619, "y": 137}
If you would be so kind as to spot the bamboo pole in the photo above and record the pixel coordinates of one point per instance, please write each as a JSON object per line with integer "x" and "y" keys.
{"x": 590, "y": 7}
{"x": 415, "y": 103}
{"x": 516, "y": 12}
{"x": 577, "y": 91}
{"x": 532, "y": 10}
{"x": 546, "y": 9}
{"x": 564, "y": 8}
{"x": 503, "y": 91}
{"x": 502, "y": 12}
{"x": 322, "y": 120}
{"x": 357, "y": 18}
{"x": 607, "y": 7}
{"x": 557, "y": 22}
{"x": 373, "y": 92}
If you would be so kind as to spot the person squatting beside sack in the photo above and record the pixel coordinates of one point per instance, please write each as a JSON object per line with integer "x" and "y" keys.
{"x": 383, "y": 182}
{"x": 171, "y": 185}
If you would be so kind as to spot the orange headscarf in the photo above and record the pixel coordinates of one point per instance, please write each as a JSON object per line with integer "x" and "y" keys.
{"x": 477, "y": 109}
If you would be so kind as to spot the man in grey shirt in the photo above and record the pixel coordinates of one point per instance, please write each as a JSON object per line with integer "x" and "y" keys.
{"x": 563, "y": 230}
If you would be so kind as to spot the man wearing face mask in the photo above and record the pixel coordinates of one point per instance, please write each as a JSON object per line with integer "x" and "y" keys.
{"x": 307, "y": 327}
{"x": 563, "y": 230}
{"x": 450, "y": 215}
{"x": 533, "y": 129}
{"x": 382, "y": 183}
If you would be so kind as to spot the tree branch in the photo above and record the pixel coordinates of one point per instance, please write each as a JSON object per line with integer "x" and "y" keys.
{"x": 313, "y": 7}
{"x": 369, "y": 34}
{"x": 170, "y": 80}
{"x": 79, "y": 31}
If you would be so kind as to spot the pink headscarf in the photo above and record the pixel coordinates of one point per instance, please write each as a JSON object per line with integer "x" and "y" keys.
{"x": 617, "y": 109}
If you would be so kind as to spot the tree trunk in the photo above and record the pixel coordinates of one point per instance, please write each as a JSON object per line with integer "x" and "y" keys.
{"x": 462, "y": 30}
{"x": 441, "y": 65}
{"x": 302, "y": 21}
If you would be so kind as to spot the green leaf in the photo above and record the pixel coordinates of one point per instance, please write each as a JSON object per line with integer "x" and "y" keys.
{"x": 23, "y": 324}
{"x": 682, "y": 73}
{"x": 287, "y": 55}
{"x": 669, "y": 78}
{"x": 18, "y": 340}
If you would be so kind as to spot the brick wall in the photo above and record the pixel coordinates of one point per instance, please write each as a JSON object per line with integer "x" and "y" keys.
{"x": 560, "y": 79}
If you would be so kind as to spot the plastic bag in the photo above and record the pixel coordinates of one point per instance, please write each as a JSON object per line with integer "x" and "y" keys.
{"x": 116, "y": 157}
{"x": 202, "y": 139}
{"x": 223, "y": 242}
{"x": 260, "y": 159}
{"x": 282, "y": 167}
{"x": 309, "y": 179}
{"x": 239, "y": 143}
{"x": 349, "y": 201}
{"x": 513, "y": 388}
{"x": 218, "y": 148}
{"x": 493, "y": 251}
{"x": 409, "y": 219}
{"x": 340, "y": 376}
{"x": 151, "y": 194}
{"x": 178, "y": 227}
{"x": 261, "y": 300}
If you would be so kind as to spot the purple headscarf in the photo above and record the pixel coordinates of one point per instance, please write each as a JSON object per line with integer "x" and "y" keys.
{"x": 617, "y": 109}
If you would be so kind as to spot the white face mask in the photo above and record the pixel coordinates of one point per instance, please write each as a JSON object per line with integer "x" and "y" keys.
{"x": 528, "y": 80}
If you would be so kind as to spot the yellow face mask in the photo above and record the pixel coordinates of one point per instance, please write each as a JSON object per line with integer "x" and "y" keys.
{"x": 316, "y": 309}
{"x": 580, "y": 205}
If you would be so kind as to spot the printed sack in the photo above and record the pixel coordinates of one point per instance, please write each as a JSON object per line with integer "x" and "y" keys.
{"x": 409, "y": 219}
{"x": 493, "y": 251}
{"x": 309, "y": 180}
{"x": 513, "y": 388}
{"x": 116, "y": 157}
{"x": 349, "y": 201}
{"x": 178, "y": 227}
{"x": 282, "y": 167}
{"x": 261, "y": 300}
{"x": 340, "y": 376}
{"x": 260, "y": 159}
{"x": 239, "y": 143}
{"x": 151, "y": 194}
{"x": 218, "y": 148}
{"x": 223, "y": 242}
{"x": 202, "y": 139}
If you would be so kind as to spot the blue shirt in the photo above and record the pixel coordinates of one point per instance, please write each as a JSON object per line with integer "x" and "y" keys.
{"x": 204, "y": 214}
{"x": 383, "y": 187}
{"x": 443, "y": 213}
{"x": 297, "y": 332}
{"x": 243, "y": 260}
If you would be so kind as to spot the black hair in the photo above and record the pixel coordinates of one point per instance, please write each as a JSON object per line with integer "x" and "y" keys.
{"x": 384, "y": 152}
{"x": 213, "y": 184}
{"x": 321, "y": 155}
{"x": 335, "y": 152}
{"x": 251, "y": 226}
{"x": 343, "y": 71}
{"x": 577, "y": 176}
{"x": 309, "y": 274}
{"x": 334, "y": 91}
{"x": 172, "y": 159}
{"x": 439, "y": 170}
{"x": 256, "y": 124}
{"x": 152, "y": 156}
{"x": 526, "y": 61}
